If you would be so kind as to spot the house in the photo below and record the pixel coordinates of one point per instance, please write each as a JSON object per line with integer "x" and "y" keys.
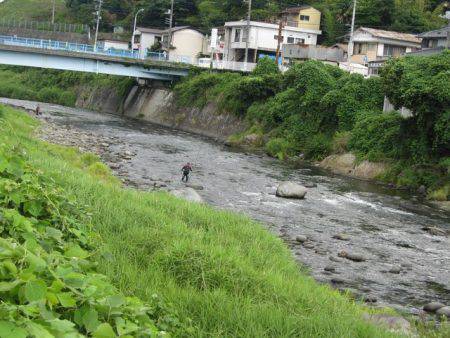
{"x": 436, "y": 38}
{"x": 375, "y": 44}
{"x": 145, "y": 38}
{"x": 306, "y": 17}
{"x": 187, "y": 43}
{"x": 263, "y": 39}
{"x": 107, "y": 44}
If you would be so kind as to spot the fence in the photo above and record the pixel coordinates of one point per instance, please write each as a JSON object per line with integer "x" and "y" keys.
{"x": 62, "y": 27}
{"x": 226, "y": 65}
{"x": 66, "y": 46}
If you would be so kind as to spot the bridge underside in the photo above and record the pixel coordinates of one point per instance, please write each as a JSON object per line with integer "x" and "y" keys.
{"x": 84, "y": 63}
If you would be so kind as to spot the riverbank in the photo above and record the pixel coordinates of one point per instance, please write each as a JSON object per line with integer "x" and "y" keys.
{"x": 223, "y": 271}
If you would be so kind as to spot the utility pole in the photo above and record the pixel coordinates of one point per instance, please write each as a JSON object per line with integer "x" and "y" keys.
{"x": 170, "y": 28}
{"x": 352, "y": 29}
{"x": 279, "y": 41}
{"x": 98, "y": 12}
{"x": 247, "y": 30}
{"x": 134, "y": 27}
{"x": 53, "y": 12}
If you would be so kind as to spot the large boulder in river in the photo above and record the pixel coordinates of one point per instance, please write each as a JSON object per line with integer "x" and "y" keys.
{"x": 291, "y": 190}
{"x": 188, "y": 194}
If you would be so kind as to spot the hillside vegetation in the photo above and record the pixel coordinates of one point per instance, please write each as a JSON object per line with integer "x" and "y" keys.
{"x": 316, "y": 110}
{"x": 32, "y": 10}
{"x": 65, "y": 222}
{"x": 399, "y": 15}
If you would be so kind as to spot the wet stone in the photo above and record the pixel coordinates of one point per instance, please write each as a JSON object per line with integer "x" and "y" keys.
{"x": 395, "y": 270}
{"x": 355, "y": 257}
{"x": 330, "y": 268}
{"x": 335, "y": 259}
{"x": 435, "y": 231}
{"x": 301, "y": 239}
{"x": 444, "y": 311}
{"x": 308, "y": 246}
{"x": 433, "y": 307}
{"x": 342, "y": 237}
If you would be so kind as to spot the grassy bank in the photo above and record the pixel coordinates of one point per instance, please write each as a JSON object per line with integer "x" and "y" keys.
{"x": 222, "y": 271}
{"x": 54, "y": 86}
{"x": 315, "y": 110}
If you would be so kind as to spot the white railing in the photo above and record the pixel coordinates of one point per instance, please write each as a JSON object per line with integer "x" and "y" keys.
{"x": 226, "y": 65}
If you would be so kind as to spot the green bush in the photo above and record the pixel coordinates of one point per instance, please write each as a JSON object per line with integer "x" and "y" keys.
{"x": 378, "y": 137}
{"x": 317, "y": 147}
{"x": 266, "y": 66}
{"x": 279, "y": 148}
{"x": 340, "y": 142}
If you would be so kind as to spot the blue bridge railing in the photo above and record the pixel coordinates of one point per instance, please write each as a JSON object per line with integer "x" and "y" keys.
{"x": 77, "y": 47}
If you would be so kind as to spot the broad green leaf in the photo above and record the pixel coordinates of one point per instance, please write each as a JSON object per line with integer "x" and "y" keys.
{"x": 8, "y": 286}
{"x": 104, "y": 331}
{"x": 35, "y": 290}
{"x": 3, "y": 164}
{"x": 63, "y": 326}
{"x": 66, "y": 299}
{"x": 115, "y": 301}
{"x": 125, "y": 326}
{"x": 34, "y": 208}
{"x": 76, "y": 252}
{"x": 54, "y": 233}
{"x": 38, "y": 331}
{"x": 9, "y": 330}
{"x": 90, "y": 320}
{"x": 36, "y": 263}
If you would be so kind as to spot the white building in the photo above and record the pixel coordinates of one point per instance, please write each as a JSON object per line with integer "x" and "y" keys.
{"x": 263, "y": 39}
{"x": 113, "y": 44}
{"x": 187, "y": 43}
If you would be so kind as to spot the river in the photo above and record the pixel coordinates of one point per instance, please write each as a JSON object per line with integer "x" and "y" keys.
{"x": 405, "y": 266}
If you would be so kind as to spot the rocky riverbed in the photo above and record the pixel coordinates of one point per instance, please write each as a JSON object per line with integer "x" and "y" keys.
{"x": 382, "y": 246}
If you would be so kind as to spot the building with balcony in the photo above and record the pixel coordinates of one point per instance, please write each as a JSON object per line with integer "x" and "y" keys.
{"x": 263, "y": 39}
{"x": 435, "y": 39}
{"x": 375, "y": 44}
{"x": 306, "y": 17}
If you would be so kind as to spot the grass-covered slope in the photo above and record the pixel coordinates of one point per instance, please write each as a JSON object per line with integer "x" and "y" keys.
{"x": 223, "y": 271}
{"x": 32, "y": 10}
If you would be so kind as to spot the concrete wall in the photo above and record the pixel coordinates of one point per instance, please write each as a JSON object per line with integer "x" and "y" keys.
{"x": 188, "y": 43}
{"x": 156, "y": 104}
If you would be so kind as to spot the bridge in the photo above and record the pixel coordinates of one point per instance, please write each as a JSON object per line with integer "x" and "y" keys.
{"x": 86, "y": 58}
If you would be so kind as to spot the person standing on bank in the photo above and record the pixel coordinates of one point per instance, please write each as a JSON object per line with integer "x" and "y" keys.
{"x": 186, "y": 170}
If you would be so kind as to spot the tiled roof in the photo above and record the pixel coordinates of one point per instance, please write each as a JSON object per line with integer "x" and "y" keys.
{"x": 391, "y": 35}
{"x": 438, "y": 33}
{"x": 295, "y": 10}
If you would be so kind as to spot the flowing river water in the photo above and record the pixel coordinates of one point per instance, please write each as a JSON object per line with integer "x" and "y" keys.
{"x": 405, "y": 266}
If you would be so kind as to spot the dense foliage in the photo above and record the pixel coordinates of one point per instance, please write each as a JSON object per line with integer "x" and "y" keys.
{"x": 315, "y": 109}
{"x": 49, "y": 283}
{"x": 54, "y": 86}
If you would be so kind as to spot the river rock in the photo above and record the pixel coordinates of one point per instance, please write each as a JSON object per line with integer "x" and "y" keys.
{"x": 188, "y": 194}
{"x": 395, "y": 270}
{"x": 335, "y": 259}
{"x": 301, "y": 239}
{"x": 422, "y": 190}
{"x": 433, "y": 307}
{"x": 435, "y": 231}
{"x": 444, "y": 311}
{"x": 194, "y": 186}
{"x": 352, "y": 256}
{"x": 291, "y": 190}
{"x": 369, "y": 170}
{"x": 342, "y": 237}
{"x": 330, "y": 268}
{"x": 252, "y": 139}
{"x": 341, "y": 164}
{"x": 392, "y": 323}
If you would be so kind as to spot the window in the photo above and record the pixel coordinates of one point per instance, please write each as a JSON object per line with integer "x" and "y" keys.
{"x": 137, "y": 39}
{"x": 237, "y": 35}
{"x": 304, "y": 17}
{"x": 290, "y": 39}
{"x": 298, "y": 40}
{"x": 390, "y": 50}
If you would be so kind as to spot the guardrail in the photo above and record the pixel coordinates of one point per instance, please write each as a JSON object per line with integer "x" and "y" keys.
{"x": 66, "y": 46}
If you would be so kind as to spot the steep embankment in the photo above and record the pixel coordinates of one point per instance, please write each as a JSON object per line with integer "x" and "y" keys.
{"x": 225, "y": 272}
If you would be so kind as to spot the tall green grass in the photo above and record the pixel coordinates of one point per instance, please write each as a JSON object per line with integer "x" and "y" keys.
{"x": 226, "y": 273}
